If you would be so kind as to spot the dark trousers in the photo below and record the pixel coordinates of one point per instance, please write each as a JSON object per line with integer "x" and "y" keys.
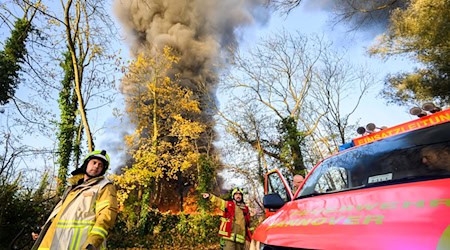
{"x": 231, "y": 245}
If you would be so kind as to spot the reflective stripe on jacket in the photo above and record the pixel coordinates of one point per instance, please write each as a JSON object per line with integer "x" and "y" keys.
{"x": 233, "y": 224}
{"x": 84, "y": 216}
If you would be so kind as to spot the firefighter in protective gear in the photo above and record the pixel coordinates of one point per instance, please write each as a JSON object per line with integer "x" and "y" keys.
{"x": 86, "y": 212}
{"x": 235, "y": 222}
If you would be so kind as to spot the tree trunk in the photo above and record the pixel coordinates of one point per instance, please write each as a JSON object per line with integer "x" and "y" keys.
{"x": 78, "y": 74}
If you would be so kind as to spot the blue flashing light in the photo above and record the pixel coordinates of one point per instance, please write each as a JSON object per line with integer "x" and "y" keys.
{"x": 346, "y": 146}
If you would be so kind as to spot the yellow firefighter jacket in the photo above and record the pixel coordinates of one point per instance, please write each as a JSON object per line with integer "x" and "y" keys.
{"x": 85, "y": 215}
{"x": 238, "y": 228}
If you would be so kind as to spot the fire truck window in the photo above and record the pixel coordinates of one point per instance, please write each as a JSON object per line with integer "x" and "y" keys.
{"x": 334, "y": 179}
{"x": 415, "y": 156}
{"x": 275, "y": 185}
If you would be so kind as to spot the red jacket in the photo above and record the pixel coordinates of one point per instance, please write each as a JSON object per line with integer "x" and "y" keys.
{"x": 229, "y": 215}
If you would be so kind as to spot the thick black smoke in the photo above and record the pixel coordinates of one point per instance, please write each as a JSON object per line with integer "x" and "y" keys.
{"x": 201, "y": 31}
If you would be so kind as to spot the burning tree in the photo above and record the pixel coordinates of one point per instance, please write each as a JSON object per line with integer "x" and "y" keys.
{"x": 164, "y": 144}
{"x": 200, "y": 34}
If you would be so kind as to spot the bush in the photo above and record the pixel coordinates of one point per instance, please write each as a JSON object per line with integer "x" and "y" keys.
{"x": 21, "y": 212}
{"x": 168, "y": 231}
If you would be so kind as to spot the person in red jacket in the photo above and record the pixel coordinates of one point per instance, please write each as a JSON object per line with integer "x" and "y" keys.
{"x": 235, "y": 222}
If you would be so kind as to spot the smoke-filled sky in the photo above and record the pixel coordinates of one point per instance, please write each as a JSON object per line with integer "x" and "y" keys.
{"x": 203, "y": 30}
{"x": 203, "y": 33}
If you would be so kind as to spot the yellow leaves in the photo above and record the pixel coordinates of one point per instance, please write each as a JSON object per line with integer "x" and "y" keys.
{"x": 185, "y": 165}
{"x": 40, "y": 6}
{"x": 168, "y": 53}
{"x": 129, "y": 139}
{"x": 164, "y": 140}
{"x": 156, "y": 65}
{"x": 139, "y": 175}
{"x": 189, "y": 104}
{"x": 96, "y": 49}
{"x": 186, "y": 128}
{"x": 142, "y": 62}
{"x": 52, "y": 21}
{"x": 384, "y": 46}
{"x": 190, "y": 158}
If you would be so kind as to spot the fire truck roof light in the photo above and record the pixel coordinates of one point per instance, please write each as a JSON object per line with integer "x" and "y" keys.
{"x": 371, "y": 127}
{"x": 417, "y": 112}
{"x": 428, "y": 106}
{"x": 361, "y": 130}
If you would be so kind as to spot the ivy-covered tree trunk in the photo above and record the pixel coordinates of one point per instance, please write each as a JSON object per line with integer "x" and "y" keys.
{"x": 291, "y": 142}
{"x": 67, "y": 129}
{"x": 11, "y": 57}
{"x": 144, "y": 208}
{"x": 206, "y": 174}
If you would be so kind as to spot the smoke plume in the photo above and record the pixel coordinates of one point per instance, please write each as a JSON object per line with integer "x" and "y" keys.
{"x": 200, "y": 30}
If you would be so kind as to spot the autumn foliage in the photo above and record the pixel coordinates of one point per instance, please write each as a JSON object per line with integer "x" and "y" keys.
{"x": 163, "y": 147}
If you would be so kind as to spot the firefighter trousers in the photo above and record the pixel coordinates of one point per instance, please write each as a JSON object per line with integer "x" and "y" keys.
{"x": 230, "y": 245}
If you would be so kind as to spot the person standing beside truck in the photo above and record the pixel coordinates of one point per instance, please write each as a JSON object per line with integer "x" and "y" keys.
{"x": 297, "y": 182}
{"x": 235, "y": 222}
{"x": 86, "y": 212}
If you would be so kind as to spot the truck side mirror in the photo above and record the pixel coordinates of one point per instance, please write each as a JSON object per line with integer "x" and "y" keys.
{"x": 273, "y": 201}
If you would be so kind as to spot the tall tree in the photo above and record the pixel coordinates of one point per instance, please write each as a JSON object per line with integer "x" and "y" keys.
{"x": 68, "y": 103}
{"x": 83, "y": 28}
{"x": 163, "y": 146}
{"x": 89, "y": 28}
{"x": 81, "y": 32}
{"x": 421, "y": 31}
{"x": 277, "y": 76}
{"x": 340, "y": 88}
{"x": 11, "y": 58}
{"x": 79, "y": 42}
{"x": 291, "y": 92}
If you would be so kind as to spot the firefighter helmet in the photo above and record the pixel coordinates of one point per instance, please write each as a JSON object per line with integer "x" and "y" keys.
{"x": 96, "y": 154}
{"x": 237, "y": 190}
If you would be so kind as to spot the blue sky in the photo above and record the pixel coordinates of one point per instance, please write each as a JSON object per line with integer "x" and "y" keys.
{"x": 313, "y": 20}
{"x": 307, "y": 21}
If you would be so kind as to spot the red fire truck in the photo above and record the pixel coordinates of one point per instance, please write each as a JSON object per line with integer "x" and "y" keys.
{"x": 390, "y": 190}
